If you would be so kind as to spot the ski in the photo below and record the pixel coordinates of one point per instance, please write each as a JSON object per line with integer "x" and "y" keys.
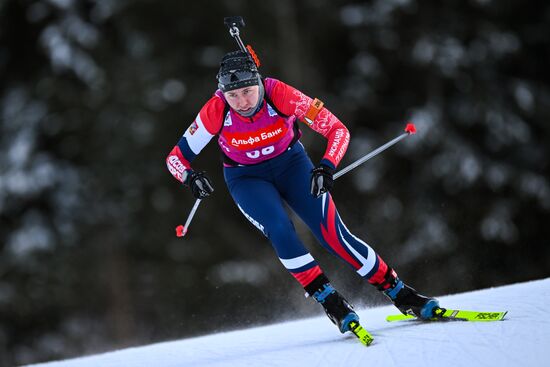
{"x": 443, "y": 314}
{"x": 364, "y": 336}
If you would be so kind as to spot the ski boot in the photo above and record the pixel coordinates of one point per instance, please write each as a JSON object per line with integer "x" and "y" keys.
{"x": 407, "y": 299}
{"x": 337, "y": 308}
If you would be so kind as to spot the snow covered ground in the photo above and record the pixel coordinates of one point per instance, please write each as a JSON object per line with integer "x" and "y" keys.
{"x": 522, "y": 339}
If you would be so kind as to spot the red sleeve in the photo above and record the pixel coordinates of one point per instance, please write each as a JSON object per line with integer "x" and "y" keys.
{"x": 177, "y": 164}
{"x": 211, "y": 114}
{"x": 291, "y": 101}
{"x": 205, "y": 126}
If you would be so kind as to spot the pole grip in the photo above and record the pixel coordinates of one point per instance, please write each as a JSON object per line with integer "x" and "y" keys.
{"x": 234, "y": 24}
{"x": 234, "y": 21}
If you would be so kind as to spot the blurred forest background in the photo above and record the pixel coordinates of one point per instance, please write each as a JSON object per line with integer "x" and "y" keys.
{"x": 94, "y": 94}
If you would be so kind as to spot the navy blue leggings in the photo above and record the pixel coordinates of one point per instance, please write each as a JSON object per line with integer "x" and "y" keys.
{"x": 260, "y": 192}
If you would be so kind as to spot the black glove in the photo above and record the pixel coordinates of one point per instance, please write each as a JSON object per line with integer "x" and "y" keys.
{"x": 321, "y": 180}
{"x": 200, "y": 184}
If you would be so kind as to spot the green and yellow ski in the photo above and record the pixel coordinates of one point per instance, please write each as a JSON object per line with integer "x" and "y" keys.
{"x": 364, "y": 336}
{"x": 442, "y": 314}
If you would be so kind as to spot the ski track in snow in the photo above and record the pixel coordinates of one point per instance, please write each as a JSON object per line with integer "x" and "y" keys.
{"x": 521, "y": 339}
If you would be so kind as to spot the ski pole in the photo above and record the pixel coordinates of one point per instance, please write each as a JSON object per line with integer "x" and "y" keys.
{"x": 182, "y": 230}
{"x": 234, "y": 24}
{"x": 409, "y": 130}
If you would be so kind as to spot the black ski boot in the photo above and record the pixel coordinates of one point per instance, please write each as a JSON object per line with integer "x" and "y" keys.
{"x": 406, "y": 298}
{"x": 338, "y": 310}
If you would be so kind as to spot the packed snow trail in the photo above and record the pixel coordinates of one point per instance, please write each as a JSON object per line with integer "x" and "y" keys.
{"x": 521, "y": 339}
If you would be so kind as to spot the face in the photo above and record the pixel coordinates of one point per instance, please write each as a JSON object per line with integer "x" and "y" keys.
{"x": 244, "y": 99}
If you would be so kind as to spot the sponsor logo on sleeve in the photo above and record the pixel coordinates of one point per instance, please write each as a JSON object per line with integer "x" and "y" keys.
{"x": 193, "y": 127}
{"x": 339, "y": 145}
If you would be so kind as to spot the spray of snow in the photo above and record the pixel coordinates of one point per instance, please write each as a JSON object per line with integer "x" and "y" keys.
{"x": 521, "y": 339}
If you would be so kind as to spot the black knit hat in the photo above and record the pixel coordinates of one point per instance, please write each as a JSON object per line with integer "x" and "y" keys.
{"x": 237, "y": 70}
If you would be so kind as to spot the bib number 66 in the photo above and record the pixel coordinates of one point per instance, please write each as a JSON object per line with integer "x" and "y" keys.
{"x": 264, "y": 151}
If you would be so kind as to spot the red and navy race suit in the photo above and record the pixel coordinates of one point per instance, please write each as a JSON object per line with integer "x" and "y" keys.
{"x": 267, "y": 165}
